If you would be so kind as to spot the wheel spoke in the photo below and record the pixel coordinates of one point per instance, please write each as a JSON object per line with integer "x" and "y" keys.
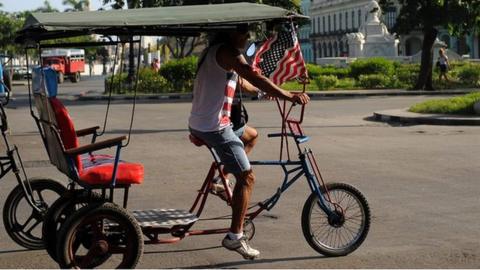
{"x": 34, "y": 225}
{"x": 40, "y": 196}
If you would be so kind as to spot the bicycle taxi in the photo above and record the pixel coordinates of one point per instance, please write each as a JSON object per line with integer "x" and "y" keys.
{"x": 86, "y": 228}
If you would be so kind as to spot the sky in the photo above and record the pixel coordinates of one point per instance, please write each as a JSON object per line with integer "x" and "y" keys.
{"x": 22, "y": 5}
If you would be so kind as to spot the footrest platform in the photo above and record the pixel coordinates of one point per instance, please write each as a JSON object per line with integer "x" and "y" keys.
{"x": 163, "y": 217}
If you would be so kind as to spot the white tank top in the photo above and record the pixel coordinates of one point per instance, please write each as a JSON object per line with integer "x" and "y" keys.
{"x": 213, "y": 92}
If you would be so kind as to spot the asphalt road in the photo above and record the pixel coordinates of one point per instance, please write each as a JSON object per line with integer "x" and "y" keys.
{"x": 421, "y": 183}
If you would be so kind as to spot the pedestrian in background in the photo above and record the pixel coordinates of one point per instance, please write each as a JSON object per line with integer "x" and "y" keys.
{"x": 155, "y": 64}
{"x": 443, "y": 64}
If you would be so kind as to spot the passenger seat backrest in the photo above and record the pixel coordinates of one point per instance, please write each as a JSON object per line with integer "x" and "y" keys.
{"x": 44, "y": 85}
{"x": 66, "y": 127}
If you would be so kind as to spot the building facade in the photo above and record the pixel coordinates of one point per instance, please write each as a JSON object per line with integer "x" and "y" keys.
{"x": 331, "y": 20}
{"x": 304, "y": 34}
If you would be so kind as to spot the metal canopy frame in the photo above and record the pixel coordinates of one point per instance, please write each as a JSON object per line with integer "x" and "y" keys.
{"x": 162, "y": 21}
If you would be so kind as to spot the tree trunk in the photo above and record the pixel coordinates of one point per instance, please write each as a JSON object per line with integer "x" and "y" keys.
{"x": 425, "y": 77}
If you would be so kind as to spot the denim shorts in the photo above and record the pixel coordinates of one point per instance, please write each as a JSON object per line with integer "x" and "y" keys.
{"x": 228, "y": 147}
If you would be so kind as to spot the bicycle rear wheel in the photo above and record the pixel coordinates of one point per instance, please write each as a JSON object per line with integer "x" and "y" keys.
{"x": 340, "y": 235}
{"x": 65, "y": 206}
{"x": 114, "y": 238}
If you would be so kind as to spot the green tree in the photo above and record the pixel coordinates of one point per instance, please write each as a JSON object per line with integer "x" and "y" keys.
{"x": 10, "y": 23}
{"x": 77, "y": 5}
{"x": 460, "y": 17}
{"x": 47, "y": 7}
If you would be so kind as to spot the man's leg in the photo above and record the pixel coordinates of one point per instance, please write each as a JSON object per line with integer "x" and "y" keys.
{"x": 241, "y": 198}
{"x": 249, "y": 138}
{"x": 235, "y": 240}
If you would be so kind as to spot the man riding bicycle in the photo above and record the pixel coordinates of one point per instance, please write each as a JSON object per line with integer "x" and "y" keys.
{"x": 214, "y": 88}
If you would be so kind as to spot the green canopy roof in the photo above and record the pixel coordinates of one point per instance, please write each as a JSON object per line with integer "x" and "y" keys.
{"x": 177, "y": 20}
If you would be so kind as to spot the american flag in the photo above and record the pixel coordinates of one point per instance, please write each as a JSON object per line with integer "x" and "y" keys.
{"x": 280, "y": 57}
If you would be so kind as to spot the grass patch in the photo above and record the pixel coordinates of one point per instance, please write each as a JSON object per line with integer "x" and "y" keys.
{"x": 295, "y": 86}
{"x": 343, "y": 84}
{"x": 456, "y": 105}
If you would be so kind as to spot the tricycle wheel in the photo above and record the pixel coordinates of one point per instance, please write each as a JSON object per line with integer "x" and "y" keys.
{"x": 59, "y": 211}
{"x": 113, "y": 235}
{"x": 343, "y": 231}
{"x": 22, "y": 222}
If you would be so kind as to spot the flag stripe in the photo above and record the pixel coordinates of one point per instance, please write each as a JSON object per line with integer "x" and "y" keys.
{"x": 280, "y": 66}
{"x": 292, "y": 67}
{"x": 288, "y": 66}
{"x": 285, "y": 65}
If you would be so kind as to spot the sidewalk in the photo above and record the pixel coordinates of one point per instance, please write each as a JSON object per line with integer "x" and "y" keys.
{"x": 405, "y": 117}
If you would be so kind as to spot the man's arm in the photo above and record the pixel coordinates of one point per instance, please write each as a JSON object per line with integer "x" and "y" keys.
{"x": 231, "y": 59}
{"x": 248, "y": 87}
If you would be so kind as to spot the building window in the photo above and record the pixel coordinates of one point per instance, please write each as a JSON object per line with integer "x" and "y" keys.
{"x": 390, "y": 17}
{"x": 359, "y": 17}
{"x": 329, "y": 24}
{"x": 340, "y": 21}
{"x": 353, "y": 19}
{"x": 334, "y": 22}
{"x": 323, "y": 24}
{"x": 318, "y": 25}
{"x": 346, "y": 20}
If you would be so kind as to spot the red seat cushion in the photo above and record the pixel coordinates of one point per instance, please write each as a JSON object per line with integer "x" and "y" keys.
{"x": 98, "y": 169}
{"x": 93, "y": 169}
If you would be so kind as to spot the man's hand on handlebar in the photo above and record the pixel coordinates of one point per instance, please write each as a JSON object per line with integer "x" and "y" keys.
{"x": 300, "y": 98}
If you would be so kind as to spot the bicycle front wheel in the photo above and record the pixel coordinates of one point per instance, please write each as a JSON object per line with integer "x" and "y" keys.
{"x": 22, "y": 222}
{"x": 340, "y": 235}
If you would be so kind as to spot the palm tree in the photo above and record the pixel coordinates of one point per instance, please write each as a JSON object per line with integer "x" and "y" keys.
{"x": 77, "y": 5}
{"x": 47, "y": 7}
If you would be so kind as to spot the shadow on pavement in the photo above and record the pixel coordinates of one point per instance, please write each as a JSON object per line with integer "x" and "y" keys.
{"x": 15, "y": 251}
{"x": 251, "y": 262}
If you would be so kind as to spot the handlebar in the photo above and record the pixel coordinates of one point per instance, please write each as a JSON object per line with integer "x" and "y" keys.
{"x": 298, "y": 138}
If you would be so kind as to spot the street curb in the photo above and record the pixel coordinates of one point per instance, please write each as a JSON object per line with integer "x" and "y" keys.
{"x": 188, "y": 96}
{"x": 313, "y": 95}
{"x": 18, "y": 83}
{"x": 404, "y": 116}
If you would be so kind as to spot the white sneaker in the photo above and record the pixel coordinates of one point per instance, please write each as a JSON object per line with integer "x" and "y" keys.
{"x": 241, "y": 246}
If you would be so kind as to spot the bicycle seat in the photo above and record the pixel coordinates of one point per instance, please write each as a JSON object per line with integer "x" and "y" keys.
{"x": 197, "y": 141}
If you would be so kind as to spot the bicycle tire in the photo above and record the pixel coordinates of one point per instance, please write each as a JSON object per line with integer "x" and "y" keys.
{"x": 59, "y": 211}
{"x": 344, "y": 195}
{"x": 116, "y": 230}
{"x": 12, "y": 214}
